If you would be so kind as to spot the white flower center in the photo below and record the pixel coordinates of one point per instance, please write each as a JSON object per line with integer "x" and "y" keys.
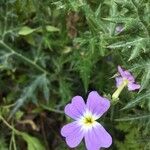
{"x": 88, "y": 120}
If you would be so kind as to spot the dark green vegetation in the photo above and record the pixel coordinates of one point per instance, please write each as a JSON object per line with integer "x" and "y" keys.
{"x": 51, "y": 50}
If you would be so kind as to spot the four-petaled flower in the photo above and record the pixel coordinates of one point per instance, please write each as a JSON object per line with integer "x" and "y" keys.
{"x": 85, "y": 124}
{"x": 126, "y": 78}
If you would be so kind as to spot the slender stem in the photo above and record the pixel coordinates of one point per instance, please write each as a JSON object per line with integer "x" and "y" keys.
{"x": 8, "y": 106}
{"x": 112, "y": 112}
{"x": 51, "y": 109}
{"x": 13, "y": 140}
{"x": 8, "y": 125}
{"x": 24, "y": 58}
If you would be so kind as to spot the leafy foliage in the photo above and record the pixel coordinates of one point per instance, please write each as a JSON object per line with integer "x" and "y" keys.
{"x": 53, "y": 50}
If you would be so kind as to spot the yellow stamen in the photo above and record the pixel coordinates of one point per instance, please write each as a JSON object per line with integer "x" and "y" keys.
{"x": 88, "y": 120}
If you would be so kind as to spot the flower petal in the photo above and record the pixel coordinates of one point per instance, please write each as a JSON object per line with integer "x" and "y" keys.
{"x": 120, "y": 70}
{"x": 76, "y": 108}
{"x": 73, "y": 134}
{"x": 129, "y": 76}
{"x": 96, "y": 104}
{"x": 126, "y": 74}
{"x": 133, "y": 86}
{"x": 119, "y": 81}
{"x": 97, "y": 137}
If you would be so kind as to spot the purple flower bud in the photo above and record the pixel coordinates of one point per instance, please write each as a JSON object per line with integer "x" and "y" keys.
{"x": 119, "y": 29}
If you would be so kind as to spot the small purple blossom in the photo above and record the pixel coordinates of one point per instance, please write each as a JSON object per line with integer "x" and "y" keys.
{"x": 125, "y": 76}
{"x": 85, "y": 124}
{"x": 119, "y": 28}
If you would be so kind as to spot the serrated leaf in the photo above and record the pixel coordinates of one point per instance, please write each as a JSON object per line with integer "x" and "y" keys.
{"x": 26, "y": 30}
{"x": 135, "y": 52}
{"x": 136, "y": 101}
{"x": 139, "y": 46}
{"x": 30, "y": 92}
{"x": 125, "y": 44}
{"x": 117, "y": 19}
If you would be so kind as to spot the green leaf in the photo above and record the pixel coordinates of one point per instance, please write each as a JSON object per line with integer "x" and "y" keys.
{"x": 146, "y": 78}
{"x": 64, "y": 90}
{"x": 139, "y": 46}
{"x": 135, "y": 51}
{"x": 84, "y": 68}
{"x": 134, "y": 118}
{"x": 30, "y": 92}
{"x": 45, "y": 85}
{"x": 26, "y": 30}
{"x": 136, "y": 101}
{"x": 30, "y": 39}
{"x": 125, "y": 44}
{"x": 51, "y": 28}
{"x": 32, "y": 142}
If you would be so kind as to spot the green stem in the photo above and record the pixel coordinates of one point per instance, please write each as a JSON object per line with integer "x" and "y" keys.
{"x": 52, "y": 110}
{"x": 9, "y": 126}
{"x": 13, "y": 140}
{"x": 24, "y": 58}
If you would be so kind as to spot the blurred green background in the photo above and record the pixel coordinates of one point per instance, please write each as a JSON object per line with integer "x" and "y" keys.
{"x": 52, "y": 50}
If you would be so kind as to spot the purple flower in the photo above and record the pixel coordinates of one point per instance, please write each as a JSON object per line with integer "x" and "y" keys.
{"x": 85, "y": 124}
{"x": 127, "y": 78}
{"x": 119, "y": 28}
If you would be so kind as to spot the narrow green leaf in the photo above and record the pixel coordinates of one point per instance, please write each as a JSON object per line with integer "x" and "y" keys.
{"x": 133, "y": 118}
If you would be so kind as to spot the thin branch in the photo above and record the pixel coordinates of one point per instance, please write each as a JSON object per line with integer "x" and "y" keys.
{"x": 24, "y": 58}
{"x": 51, "y": 109}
